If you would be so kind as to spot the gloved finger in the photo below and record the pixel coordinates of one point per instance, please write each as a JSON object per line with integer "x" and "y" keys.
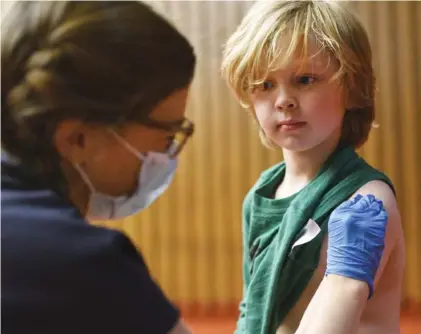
{"x": 368, "y": 202}
{"x": 359, "y": 207}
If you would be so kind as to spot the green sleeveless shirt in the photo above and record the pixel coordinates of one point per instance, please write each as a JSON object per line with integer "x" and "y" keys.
{"x": 274, "y": 277}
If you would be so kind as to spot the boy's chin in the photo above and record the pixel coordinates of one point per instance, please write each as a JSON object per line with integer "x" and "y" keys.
{"x": 297, "y": 147}
{"x": 293, "y": 145}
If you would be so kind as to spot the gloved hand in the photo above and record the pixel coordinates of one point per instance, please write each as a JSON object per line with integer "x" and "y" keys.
{"x": 356, "y": 239}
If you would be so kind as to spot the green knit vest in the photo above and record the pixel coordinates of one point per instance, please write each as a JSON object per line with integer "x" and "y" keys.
{"x": 275, "y": 277}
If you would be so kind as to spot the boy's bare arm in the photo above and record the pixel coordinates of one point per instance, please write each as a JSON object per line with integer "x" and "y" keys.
{"x": 336, "y": 307}
{"x": 180, "y": 328}
{"x": 394, "y": 232}
{"x": 339, "y": 301}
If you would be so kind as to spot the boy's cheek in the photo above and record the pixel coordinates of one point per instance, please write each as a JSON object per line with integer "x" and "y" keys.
{"x": 320, "y": 107}
{"x": 260, "y": 113}
{"x": 264, "y": 118}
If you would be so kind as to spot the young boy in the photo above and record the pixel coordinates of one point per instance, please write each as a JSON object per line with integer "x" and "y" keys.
{"x": 304, "y": 70}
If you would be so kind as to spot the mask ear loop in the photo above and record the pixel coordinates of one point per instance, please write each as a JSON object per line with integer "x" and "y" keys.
{"x": 127, "y": 145}
{"x": 172, "y": 150}
{"x": 85, "y": 178}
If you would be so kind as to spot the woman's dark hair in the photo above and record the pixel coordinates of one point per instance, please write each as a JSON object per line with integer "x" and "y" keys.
{"x": 105, "y": 62}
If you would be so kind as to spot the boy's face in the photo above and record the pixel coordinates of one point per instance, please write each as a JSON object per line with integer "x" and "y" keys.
{"x": 298, "y": 107}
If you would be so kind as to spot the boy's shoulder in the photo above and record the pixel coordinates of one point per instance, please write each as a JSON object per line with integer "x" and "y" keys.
{"x": 269, "y": 174}
{"x": 265, "y": 177}
{"x": 377, "y": 176}
{"x": 272, "y": 170}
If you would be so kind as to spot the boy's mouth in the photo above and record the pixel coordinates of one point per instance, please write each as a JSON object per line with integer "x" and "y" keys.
{"x": 290, "y": 125}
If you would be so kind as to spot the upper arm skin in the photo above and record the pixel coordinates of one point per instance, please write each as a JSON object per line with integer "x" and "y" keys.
{"x": 393, "y": 245}
{"x": 180, "y": 328}
{"x": 394, "y": 232}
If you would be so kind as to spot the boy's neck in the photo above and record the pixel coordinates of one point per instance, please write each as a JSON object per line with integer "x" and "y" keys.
{"x": 302, "y": 167}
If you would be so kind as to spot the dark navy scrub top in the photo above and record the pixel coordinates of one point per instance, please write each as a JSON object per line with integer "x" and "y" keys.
{"x": 60, "y": 274}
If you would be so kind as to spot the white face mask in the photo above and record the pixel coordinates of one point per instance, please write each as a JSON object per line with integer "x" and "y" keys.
{"x": 155, "y": 176}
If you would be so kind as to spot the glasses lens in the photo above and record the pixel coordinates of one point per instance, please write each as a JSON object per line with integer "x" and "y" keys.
{"x": 180, "y": 138}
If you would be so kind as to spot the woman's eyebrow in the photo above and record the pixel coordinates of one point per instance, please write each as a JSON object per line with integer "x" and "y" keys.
{"x": 165, "y": 125}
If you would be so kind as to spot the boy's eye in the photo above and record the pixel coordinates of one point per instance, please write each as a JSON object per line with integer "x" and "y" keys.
{"x": 306, "y": 80}
{"x": 266, "y": 85}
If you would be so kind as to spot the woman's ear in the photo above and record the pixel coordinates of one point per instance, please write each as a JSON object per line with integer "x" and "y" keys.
{"x": 69, "y": 141}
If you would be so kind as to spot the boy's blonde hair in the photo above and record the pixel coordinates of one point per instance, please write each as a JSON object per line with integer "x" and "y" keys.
{"x": 258, "y": 47}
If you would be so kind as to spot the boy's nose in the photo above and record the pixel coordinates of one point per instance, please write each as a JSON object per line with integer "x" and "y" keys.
{"x": 285, "y": 101}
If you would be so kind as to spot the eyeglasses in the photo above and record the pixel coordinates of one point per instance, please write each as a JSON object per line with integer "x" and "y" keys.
{"x": 182, "y": 130}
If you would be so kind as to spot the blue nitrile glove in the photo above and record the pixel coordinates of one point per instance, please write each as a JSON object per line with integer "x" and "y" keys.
{"x": 356, "y": 239}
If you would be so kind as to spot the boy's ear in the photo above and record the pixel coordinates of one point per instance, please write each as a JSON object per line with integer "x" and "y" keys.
{"x": 349, "y": 99}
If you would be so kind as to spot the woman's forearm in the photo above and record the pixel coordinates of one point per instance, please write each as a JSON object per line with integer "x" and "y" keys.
{"x": 336, "y": 307}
